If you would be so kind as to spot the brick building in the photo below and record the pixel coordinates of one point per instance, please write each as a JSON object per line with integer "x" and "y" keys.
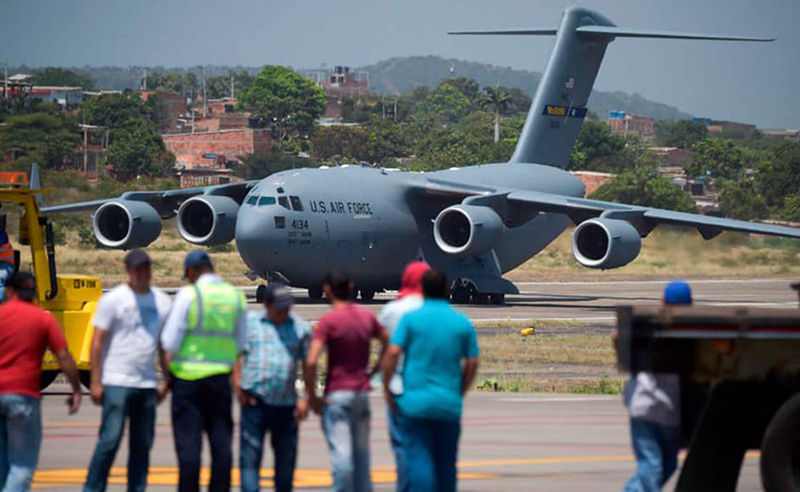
{"x": 176, "y": 106}
{"x": 340, "y": 83}
{"x": 592, "y": 180}
{"x": 624, "y": 124}
{"x": 209, "y": 156}
{"x": 731, "y": 129}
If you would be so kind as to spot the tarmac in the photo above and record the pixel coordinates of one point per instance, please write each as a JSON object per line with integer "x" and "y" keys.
{"x": 510, "y": 442}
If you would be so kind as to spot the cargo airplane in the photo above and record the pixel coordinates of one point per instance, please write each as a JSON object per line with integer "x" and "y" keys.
{"x": 474, "y": 222}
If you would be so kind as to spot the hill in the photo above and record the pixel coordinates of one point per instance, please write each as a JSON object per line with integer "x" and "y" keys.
{"x": 400, "y": 75}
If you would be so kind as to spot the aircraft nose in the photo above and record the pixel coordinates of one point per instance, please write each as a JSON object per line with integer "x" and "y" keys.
{"x": 256, "y": 238}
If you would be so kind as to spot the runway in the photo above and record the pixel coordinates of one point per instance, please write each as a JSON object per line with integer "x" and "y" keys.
{"x": 510, "y": 442}
{"x": 597, "y": 301}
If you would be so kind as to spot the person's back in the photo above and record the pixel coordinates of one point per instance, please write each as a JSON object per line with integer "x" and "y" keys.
{"x": 437, "y": 339}
{"x": 26, "y": 331}
{"x": 347, "y": 332}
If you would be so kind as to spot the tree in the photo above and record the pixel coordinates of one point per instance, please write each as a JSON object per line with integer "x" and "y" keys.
{"x": 137, "y": 149}
{"x": 779, "y": 177}
{"x": 114, "y": 110}
{"x": 739, "y": 200}
{"x": 285, "y": 99}
{"x": 444, "y": 104}
{"x": 263, "y": 164}
{"x": 791, "y": 208}
{"x": 385, "y": 139}
{"x": 466, "y": 86}
{"x": 683, "y": 134}
{"x": 643, "y": 186}
{"x": 343, "y": 141}
{"x": 45, "y": 138}
{"x": 717, "y": 158}
{"x": 57, "y": 76}
{"x": 597, "y": 147}
{"x": 496, "y": 98}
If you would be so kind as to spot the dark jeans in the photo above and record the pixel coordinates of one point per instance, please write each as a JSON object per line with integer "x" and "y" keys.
{"x": 256, "y": 421}
{"x": 120, "y": 403}
{"x": 396, "y": 440}
{"x": 656, "y": 450}
{"x": 201, "y": 406}
{"x": 431, "y": 448}
{"x": 20, "y": 439}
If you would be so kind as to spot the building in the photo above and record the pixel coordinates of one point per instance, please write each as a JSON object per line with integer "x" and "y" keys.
{"x": 176, "y": 107}
{"x": 89, "y": 158}
{"x": 792, "y": 135}
{"x": 207, "y": 157}
{"x": 730, "y": 129}
{"x": 624, "y": 124}
{"x": 342, "y": 82}
{"x": 592, "y": 180}
{"x": 672, "y": 156}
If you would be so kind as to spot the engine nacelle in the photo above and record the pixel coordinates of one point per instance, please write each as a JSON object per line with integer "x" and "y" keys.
{"x": 126, "y": 224}
{"x": 467, "y": 229}
{"x": 605, "y": 243}
{"x": 208, "y": 220}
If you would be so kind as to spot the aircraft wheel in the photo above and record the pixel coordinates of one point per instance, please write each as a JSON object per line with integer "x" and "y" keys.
{"x": 497, "y": 299}
{"x": 261, "y": 292}
{"x": 460, "y": 295}
{"x": 780, "y": 449}
{"x": 367, "y": 295}
{"x": 315, "y": 293}
{"x": 47, "y": 378}
{"x": 480, "y": 298}
{"x": 85, "y": 377}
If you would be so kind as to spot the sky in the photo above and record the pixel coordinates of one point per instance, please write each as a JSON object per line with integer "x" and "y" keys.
{"x": 748, "y": 82}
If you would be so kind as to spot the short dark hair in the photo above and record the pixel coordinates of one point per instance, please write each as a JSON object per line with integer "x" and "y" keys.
{"x": 434, "y": 285}
{"x": 340, "y": 284}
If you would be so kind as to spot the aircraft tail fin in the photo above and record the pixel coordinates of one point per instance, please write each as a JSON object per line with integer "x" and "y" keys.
{"x": 559, "y": 105}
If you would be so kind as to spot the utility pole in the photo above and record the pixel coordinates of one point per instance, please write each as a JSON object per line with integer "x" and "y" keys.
{"x": 144, "y": 80}
{"x": 233, "y": 89}
{"x": 5, "y": 81}
{"x": 395, "y": 109}
{"x": 205, "y": 101}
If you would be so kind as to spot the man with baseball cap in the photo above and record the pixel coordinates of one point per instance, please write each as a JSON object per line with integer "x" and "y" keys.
{"x": 265, "y": 378}
{"x": 123, "y": 354}
{"x": 26, "y": 331}
{"x": 200, "y": 343}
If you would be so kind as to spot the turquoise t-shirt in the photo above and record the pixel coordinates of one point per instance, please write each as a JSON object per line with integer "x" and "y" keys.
{"x": 435, "y": 340}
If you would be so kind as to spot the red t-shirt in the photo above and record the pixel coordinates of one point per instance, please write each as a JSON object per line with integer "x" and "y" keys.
{"x": 346, "y": 332}
{"x": 26, "y": 331}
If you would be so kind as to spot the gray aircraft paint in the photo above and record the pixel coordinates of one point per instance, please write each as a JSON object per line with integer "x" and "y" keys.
{"x": 372, "y": 222}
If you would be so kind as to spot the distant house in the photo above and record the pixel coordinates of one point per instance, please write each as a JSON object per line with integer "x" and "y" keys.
{"x": 624, "y": 124}
{"x": 66, "y": 97}
{"x": 340, "y": 83}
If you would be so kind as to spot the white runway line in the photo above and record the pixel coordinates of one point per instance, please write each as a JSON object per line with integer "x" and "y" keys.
{"x": 660, "y": 282}
{"x": 565, "y": 399}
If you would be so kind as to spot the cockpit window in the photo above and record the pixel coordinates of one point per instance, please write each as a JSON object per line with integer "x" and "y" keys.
{"x": 284, "y": 202}
{"x": 297, "y": 205}
{"x": 266, "y": 200}
{"x": 252, "y": 200}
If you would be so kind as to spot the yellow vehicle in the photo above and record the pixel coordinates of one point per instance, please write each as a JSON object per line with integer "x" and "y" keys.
{"x": 71, "y": 298}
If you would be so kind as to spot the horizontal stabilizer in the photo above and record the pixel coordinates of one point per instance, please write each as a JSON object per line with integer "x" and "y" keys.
{"x": 629, "y": 33}
{"x": 550, "y": 31}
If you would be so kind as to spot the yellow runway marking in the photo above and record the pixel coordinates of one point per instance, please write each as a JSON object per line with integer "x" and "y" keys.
{"x": 318, "y": 477}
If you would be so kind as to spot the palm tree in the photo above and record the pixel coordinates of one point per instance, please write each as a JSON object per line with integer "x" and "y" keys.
{"x": 498, "y": 98}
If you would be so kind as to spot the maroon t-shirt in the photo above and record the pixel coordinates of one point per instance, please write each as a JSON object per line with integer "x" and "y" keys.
{"x": 346, "y": 332}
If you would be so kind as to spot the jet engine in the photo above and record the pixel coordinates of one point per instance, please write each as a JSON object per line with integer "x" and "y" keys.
{"x": 605, "y": 243}
{"x": 467, "y": 229}
{"x": 208, "y": 220}
{"x": 126, "y": 224}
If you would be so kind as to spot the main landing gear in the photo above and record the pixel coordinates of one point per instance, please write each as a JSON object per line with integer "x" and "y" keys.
{"x": 465, "y": 293}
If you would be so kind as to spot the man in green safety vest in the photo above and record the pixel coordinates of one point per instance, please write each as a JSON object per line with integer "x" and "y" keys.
{"x": 200, "y": 342}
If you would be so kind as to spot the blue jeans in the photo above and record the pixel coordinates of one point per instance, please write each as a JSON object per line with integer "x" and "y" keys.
{"x": 345, "y": 422}
{"x": 656, "y": 450}
{"x": 431, "y": 448}
{"x": 20, "y": 439}
{"x": 396, "y": 440}
{"x": 279, "y": 421}
{"x": 120, "y": 403}
{"x": 6, "y": 269}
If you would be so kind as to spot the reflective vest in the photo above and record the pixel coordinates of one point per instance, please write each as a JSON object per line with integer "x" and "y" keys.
{"x": 6, "y": 253}
{"x": 209, "y": 344}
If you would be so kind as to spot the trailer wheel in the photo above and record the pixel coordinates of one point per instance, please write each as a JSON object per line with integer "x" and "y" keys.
{"x": 47, "y": 378}
{"x": 780, "y": 449}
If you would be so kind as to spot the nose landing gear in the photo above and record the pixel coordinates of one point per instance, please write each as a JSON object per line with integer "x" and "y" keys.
{"x": 464, "y": 292}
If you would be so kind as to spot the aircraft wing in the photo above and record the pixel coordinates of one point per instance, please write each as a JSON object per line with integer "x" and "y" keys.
{"x": 166, "y": 202}
{"x": 644, "y": 218}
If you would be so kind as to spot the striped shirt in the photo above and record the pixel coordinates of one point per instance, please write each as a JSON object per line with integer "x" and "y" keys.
{"x": 271, "y": 357}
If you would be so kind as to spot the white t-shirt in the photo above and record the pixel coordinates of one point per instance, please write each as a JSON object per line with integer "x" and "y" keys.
{"x": 390, "y": 318}
{"x": 654, "y": 398}
{"x": 133, "y": 322}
